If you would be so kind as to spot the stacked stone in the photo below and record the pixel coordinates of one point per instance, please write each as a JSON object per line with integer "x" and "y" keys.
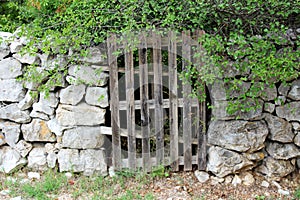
{"x": 62, "y": 130}
{"x": 265, "y": 140}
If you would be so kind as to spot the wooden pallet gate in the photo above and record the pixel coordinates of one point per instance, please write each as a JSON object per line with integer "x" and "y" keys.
{"x": 163, "y": 125}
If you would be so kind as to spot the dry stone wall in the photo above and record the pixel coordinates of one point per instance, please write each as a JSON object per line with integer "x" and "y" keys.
{"x": 66, "y": 130}
{"x": 62, "y": 130}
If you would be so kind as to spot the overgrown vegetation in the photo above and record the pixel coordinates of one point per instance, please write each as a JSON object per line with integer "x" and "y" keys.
{"x": 250, "y": 36}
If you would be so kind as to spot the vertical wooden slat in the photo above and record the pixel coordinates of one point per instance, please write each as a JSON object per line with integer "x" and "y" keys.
{"x": 114, "y": 102}
{"x": 129, "y": 76}
{"x": 173, "y": 110}
{"x": 144, "y": 97}
{"x": 187, "y": 122}
{"x": 157, "y": 68}
{"x": 202, "y": 137}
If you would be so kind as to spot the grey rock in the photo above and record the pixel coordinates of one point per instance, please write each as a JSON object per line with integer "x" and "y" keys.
{"x": 23, "y": 148}
{"x": 223, "y": 91}
{"x": 13, "y": 113}
{"x": 10, "y": 160}
{"x": 51, "y": 159}
{"x": 219, "y": 111}
{"x": 73, "y": 94}
{"x": 5, "y": 192}
{"x": 289, "y": 111}
{"x": 272, "y": 168}
{"x": 94, "y": 162}
{"x": 240, "y": 136}
{"x": 223, "y": 162}
{"x": 268, "y": 92}
{"x": 280, "y": 101}
{"x": 11, "y": 131}
{"x": 11, "y": 90}
{"x": 297, "y": 140}
{"x": 284, "y": 192}
{"x": 295, "y": 90}
{"x": 26, "y": 58}
{"x": 236, "y": 180}
{"x": 202, "y": 176}
{"x": 45, "y": 104}
{"x": 10, "y": 68}
{"x": 97, "y": 96}
{"x": 34, "y": 175}
{"x": 26, "y": 102}
{"x": 69, "y": 160}
{"x": 284, "y": 89}
{"x": 50, "y": 62}
{"x": 282, "y": 151}
{"x": 216, "y": 180}
{"x": 83, "y": 138}
{"x": 269, "y": 107}
{"x": 248, "y": 179}
{"x": 265, "y": 184}
{"x": 296, "y": 126}
{"x": 87, "y": 161}
{"x": 15, "y": 46}
{"x": 88, "y": 75}
{"x": 280, "y": 129}
{"x": 37, "y": 158}
{"x": 82, "y": 114}
{"x": 4, "y": 48}
{"x": 95, "y": 56}
{"x": 16, "y": 198}
{"x": 39, "y": 115}
{"x": 37, "y": 130}
{"x": 54, "y": 126}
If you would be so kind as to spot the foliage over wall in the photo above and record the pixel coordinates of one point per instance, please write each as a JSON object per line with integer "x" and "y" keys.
{"x": 250, "y": 36}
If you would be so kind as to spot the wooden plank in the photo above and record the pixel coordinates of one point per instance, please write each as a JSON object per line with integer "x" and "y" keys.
{"x": 202, "y": 137}
{"x": 114, "y": 102}
{"x": 173, "y": 109}
{"x": 187, "y": 121}
{"x": 138, "y": 134}
{"x": 144, "y": 96}
{"x": 129, "y": 82}
{"x": 151, "y": 103}
{"x": 152, "y": 160}
{"x": 137, "y": 71}
{"x": 157, "y": 68}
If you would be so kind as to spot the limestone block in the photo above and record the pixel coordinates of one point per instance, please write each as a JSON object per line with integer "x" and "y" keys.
{"x": 37, "y": 130}
{"x": 289, "y": 111}
{"x": 26, "y": 102}
{"x": 45, "y": 104}
{"x": 282, "y": 151}
{"x": 97, "y": 96}
{"x": 294, "y": 93}
{"x": 82, "y": 114}
{"x": 269, "y": 107}
{"x": 15, "y": 46}
{"x": 10, "y": 68}
{"x": 272, "y": 168}
{"x": 10, "y": 159}
{"x": 37, "y": 158}
{"x": 94, "y": 162}
{"x": 23, "y": 148}
{"x": 242, "y": 136}
{"x": 13, "y": 113}
{"x": 11, "y": 90}
{"x": 280, "y": 129}
{"x": 69, "y": 160}
{"x": 88, "y": 75}
{"x": 73, "y": 94}
{"x": 95, "y": 56}
{"x": 284, "y": 89}
{"x": 223, "y": 162}
{"x": 26, "y": 58}
{"x": 11, "y": 132}
{"x": 83, "y": 138}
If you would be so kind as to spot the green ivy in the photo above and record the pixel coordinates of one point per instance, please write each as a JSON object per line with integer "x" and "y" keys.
{"x": 245, "y": 35}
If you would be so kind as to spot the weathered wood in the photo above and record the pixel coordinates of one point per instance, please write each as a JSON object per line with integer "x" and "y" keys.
{"x": 202, "y": 137}
{"x": 129, "y": 77}
{"x": 144, "y": 96}
{"x": 157, "y": 68}
{"x": 173, "y": 111}
{"x": 187, "y": 121}
{"x": 114, "y": 102}
{"x": 151, "y": 103}
{"x": 138, "y": 134}
{"x": 153, "y": 161}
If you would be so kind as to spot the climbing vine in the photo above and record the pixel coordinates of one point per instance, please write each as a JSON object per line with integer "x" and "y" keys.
{"x": 257, "y": 39}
